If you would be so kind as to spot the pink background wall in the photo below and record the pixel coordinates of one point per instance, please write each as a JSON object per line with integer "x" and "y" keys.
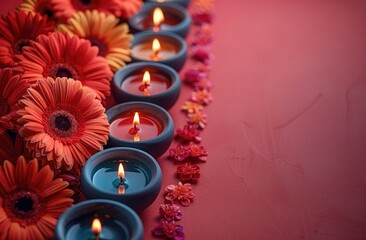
{"x": 286, "y": 132}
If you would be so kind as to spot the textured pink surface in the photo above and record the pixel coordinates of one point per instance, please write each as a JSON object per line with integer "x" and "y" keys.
{"x": 286, "y": 132}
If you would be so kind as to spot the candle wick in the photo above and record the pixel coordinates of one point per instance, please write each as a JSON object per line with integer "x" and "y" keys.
{"x": 122, "y": 181}
{"x": 97, "y": 236}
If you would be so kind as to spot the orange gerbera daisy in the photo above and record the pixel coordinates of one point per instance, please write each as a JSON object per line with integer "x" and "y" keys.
{"x": 63, "y": 123}
{"x": 31, "y": 201}
{"x": 43, "y": 7}
{"x": 127, "y": 8}
{"x": 12, "y": 88}
{"x": 64, "y": 9}
{"x": 102, "y": 31}
{"x": 16, "y": 30}
{"x": 60, "y": 55}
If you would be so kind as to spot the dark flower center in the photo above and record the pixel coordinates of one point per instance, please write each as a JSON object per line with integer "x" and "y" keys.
{"x": 63, "y": 70}
{"x": 100, "y": 45}
{"x": 23, "y": 206}
{"x": 4, "y": 107}
{"x": 62, "y": 124}
{"x": 86, "y": 2}
{"x": 19, "y": 45}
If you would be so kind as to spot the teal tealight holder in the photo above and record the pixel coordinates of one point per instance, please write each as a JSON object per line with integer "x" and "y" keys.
{"x": 139, "y": 186}
{"x": 184, "y": 3}
{"x": 176, "y": 19}
{"x": 118, "y": 221}
{"x": 163, "y": 89}
{"x": 173, "y": 49}
{"x": 154, "y": 133}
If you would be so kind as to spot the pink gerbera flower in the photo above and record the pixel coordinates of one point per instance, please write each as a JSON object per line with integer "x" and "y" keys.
{"x": 63, "y": 123}
{"x": 12, "y": 88}
{"x": 59, "y": 55}
{"x": 170, "y": 212}
{"x": 31, "y": 200}
{"x": 16, "y": 30}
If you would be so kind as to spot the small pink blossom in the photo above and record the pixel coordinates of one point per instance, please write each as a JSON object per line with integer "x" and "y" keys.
{"x": 201, "y": 39}
{"x": 198, "y": 152}
{"x": 202, "y": 17}
{"x": 191, "y": 107}
{"x": 180, "y": 153}
{"x": 187, "y": 172}
{"x": 198, "y": 119}
{"x": 202, "y": 54}
{"x": 203, "y": 84}
{"x": 170, "y": 212}
{"x": 195, "y": 74}
{"x": 188, "y": 134}
{"x": 169, "y": 229}
{"x": 203, "y": 97}
{"x": 181, "y": 193}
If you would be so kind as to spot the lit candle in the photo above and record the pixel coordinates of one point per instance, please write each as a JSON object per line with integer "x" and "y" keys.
{"x": 134, "y": 181}
{"x": 158, "y": 19}
{"x": 96, "y": 228}
{"x": 163, "y": 47}
{"x": 148, "y": 82}
{"x": 79, "y": 222}
{"x": 161, "y": 17}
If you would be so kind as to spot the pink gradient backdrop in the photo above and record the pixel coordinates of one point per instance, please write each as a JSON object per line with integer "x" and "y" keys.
{"x": 286, "y": 132}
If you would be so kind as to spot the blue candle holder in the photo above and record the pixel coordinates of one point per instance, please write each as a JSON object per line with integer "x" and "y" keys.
{"x": 184, "y": 3}
{"x": 173, "y": 53}
{"x": 139, "y": 187}
{"x": 165, "y": 99}
{"x": 157, "y": 144}
{"x": 118, "y": 221}
{"x": 177, "y": 19}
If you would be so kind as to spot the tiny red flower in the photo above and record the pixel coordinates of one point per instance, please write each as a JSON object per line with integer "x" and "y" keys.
{"x": 202, "y": 17}
{"x": 202, "y": 97}
{"x": 203, "y": 84}
{"x": 169, "y": 229}
{"x": 181, "y": 193}
{"x": 189, "y": 133}
{"x": 201, "y": 39}
{"x": 195, "y": 74}
{"x": 202, "y": 54}
{"x": 170, "y": 212}
{"x": 198, "y": 152}
{"x": 187, "y": 172}
{"x": 198, "y": 118}
{"x": 179, "y": 153}
{"x": 191, "y": 107}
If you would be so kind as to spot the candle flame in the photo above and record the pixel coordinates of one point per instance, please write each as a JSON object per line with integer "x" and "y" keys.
{"x": 146, "y": 78}
{"x": 155, "y": 49}
{"x": 136, "y": 119}
{"x": 136, "y": 137}
{"x": 158, "y": 18}
{"x": 121, "y": 171}
{"x": 96, "y": 226}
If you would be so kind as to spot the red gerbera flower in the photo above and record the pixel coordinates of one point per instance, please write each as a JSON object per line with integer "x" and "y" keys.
{"x": 30, "y": 200}
{"x": 181, "y": 193}
{"x": 170, "y": 212}
{"x": 16, "y": 30}
{"x": 12, "y": 88}
{"x": 43, "y": 7}
{"x": 64, "y": 9}
{"x": 63, "y": 122}
{"x": 10, "y": 149}
{"x": 59, "y": 55}
{"x": 127, "y": 8}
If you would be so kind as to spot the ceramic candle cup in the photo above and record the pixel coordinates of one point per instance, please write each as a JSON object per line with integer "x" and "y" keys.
{"x": 118, "y": 221}
{"x": 176, "y": 19}
{"x": 141, "y": 182}
{"x": 173, "y": 49}
{"x": 163, "y": 90}
{"x": 184, "y": 3}
{"x": 156, "y": 128}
